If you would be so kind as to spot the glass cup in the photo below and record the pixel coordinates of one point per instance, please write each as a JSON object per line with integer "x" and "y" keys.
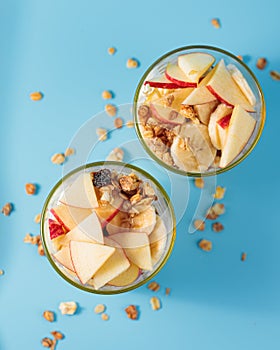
{"x": 163, "y": 209}
{"x": 145, "y": 93}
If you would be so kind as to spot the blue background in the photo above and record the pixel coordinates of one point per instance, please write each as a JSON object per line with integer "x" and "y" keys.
{"x": 60, "y": 48}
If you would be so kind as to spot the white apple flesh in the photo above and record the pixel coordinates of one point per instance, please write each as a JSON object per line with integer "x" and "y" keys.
{"x": 240, "y": 129}
{"x": 195, "y": 64}
{"x": 137, "y": 248}
{"x": 80, "y": 193}
{"x": 240, "y": 80}
{"x": 126, "y": 278}
{"x": 113, "y": 267}
{"x": 87, "y": 258}
{"x": 220, "y": 83}
{"x": 177, "y": 76}
{"x": 70, "y": 216}
{"x": 221, "y": 111}
{"x": 64, "y": 258}
{"x": 200, "y": 95}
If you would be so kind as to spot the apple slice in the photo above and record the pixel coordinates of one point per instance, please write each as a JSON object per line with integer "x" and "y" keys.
{"x": 182, "y": 155}
{"x": 91, "y": 227}
{"x": 113, "y": 267}
{"x": 220, "y": 83}
{"x": 220, "y": 112}
{"x": 68, "y": 216}
{"x": 89, "y": 230}
{"x": 71, "y": 273}
{"x": 222, "y": 134}
{"x": 64, "y": 258}
{"x": 56, "y": 229}
{"x": 167, "y": 115}
{"x": 177, "y": 76}
{"x": 199, "y": 142}
{"x": 137, "y": 248}
{"x": 204, "y": 111}
{"x": 242, "y": 83}
{"x": 162, "y": 82}
{"x": 87, "y": 258}
{"x": 80, "y": 193}
{"x": 76, "y": 235}
{"x": 222, "y": 129}
{"x": 195, "y": 64}
{"x": 58, "y": 242}
{"x": 174, "y": 99}
{"x": 158, "y": 240}
{"x": 200, "y": 95}
{"x": 224, "y": 122}
{"x": 240, "y": 129}
{"x": 108, "y": 212}
{"x": 126, "y": 278}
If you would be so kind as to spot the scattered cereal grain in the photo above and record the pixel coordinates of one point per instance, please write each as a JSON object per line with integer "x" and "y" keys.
{"x": 36, "y": 96}
{"x": 30, "y": 189}
{"x": 132, "y": 63}
{"x": 155, "y": 303}
{"x": 261, "y": 63}
{"x": 199, "y": 182}
{"x": 7, "y": 209}
{"x": 58, "y": 158}
{"x": 99, "y": 308}
{"x": 216, "y": 23}
{"x": 199, "y": 225}
{"x": 205, "y": 245}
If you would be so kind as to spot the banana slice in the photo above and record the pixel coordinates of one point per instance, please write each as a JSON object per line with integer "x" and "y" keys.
{"x": 120, "y": 223}
{"x": 242, "y": 83}
{"x": 221, "y": 111}
{"x": 199, "y": 143}
{"x": 144, "y": 221}
{"x": 182, "y": 155}
{"x": 158, "y": 239}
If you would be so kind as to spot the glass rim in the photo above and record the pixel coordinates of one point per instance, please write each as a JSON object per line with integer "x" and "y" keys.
{"x": 217, "y": 171}
{"x": 96, "y": 164}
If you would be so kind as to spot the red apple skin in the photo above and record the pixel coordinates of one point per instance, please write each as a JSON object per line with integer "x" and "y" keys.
{"x": 224, "y": 122}
{"x": 162, "y": 85}
{"x": 56, "y": 229}
{"x": 59, "y": 220}
{"x": 213, "y": 92}
{"x": 183, "y": 84}
{"x": 158, "y": 117}
{"x": 110, "y": 218}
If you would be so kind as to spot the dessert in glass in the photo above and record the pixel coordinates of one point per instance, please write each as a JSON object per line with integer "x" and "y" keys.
{"x": 108, "y": 227}
{"x": 199, "y": 110}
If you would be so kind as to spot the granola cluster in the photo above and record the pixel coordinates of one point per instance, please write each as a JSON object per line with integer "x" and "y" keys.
{"x": 137, "y": 195}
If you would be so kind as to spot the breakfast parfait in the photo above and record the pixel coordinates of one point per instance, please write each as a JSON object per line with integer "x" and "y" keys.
{"x": 196, "y": 114}
{"x": 108, "y": 229}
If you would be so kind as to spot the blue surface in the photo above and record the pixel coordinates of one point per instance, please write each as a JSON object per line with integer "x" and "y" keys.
{"x": 60, "y": 48}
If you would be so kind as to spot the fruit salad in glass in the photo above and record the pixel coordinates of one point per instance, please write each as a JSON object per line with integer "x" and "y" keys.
{"x": 108, "y": 227}
{"x": 199, "y": 110}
